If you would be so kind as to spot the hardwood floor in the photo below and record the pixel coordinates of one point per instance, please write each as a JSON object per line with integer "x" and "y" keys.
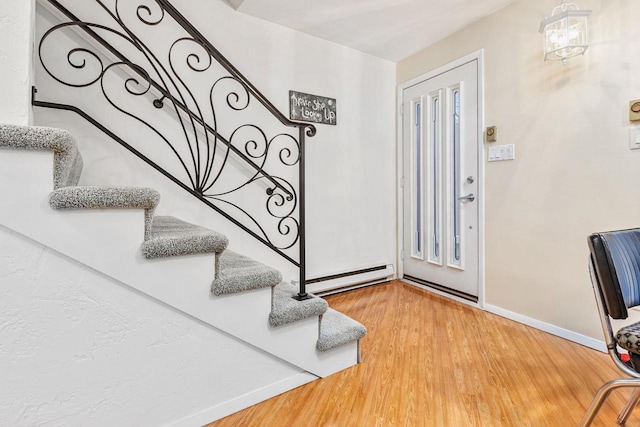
{"x": 429, "y": 361}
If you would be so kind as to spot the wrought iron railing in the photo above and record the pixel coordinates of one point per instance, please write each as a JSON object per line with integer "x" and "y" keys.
{"x": 224, "y": 163}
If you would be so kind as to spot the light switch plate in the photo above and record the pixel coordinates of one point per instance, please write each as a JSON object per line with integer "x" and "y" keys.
{"x": 634, "y": 137}
{"x": 500, "y": 153}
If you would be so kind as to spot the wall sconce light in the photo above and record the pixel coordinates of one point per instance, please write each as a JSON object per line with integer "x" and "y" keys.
{"x": 566, "y": 33}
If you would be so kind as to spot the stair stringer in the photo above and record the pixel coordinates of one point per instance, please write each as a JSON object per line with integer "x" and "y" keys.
{"x": 108, "y": 240}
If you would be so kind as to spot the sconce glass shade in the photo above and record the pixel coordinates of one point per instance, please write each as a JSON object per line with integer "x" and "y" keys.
{"x": 566, "y": 33}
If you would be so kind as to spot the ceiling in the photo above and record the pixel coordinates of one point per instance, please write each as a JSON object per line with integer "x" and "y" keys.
{"x": 389, "y": 29}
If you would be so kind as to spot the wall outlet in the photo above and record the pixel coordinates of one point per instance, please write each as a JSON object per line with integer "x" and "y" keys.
{"x": 502, "y": 152}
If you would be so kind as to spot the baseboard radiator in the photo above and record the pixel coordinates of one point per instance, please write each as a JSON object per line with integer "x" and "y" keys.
{"x": 347, "y": 280}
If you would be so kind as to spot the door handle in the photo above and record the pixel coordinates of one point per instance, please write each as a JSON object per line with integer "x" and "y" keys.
{"x": 468, "y": 198}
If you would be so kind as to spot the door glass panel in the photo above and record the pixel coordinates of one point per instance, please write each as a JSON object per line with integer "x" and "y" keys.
{"x": 435, "y": 179}
{"x": 417, "y": 182}
{"x": 455, "y": 171}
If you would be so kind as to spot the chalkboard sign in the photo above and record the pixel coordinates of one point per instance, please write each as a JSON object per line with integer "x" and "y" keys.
{"x": 312, "y": 108}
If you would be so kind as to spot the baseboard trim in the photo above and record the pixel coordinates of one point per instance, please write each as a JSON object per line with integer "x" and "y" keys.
{"x": 350, "y": 287}
{"x": 435, "y": 291}
{"x": 446, "y": 290}
{"x": 347, "y": 274}
{"x": 350, "y": 279}
{"x": 242, "y": 402}
{"x": 549, "y": 328}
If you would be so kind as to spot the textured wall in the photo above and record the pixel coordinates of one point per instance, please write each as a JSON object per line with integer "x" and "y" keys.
{"x": 77, "y": 348}
{"x": 573, "y": 174}
{"x": 16, "y": 21}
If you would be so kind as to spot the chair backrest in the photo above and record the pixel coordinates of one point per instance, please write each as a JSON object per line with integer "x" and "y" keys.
{"x": 616, "y": 258}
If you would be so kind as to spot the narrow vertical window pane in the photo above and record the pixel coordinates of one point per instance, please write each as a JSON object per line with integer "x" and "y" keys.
{"x": 435, "y": 177}
{"x": 418, "y": 181}
{"x": 456, "y": 173}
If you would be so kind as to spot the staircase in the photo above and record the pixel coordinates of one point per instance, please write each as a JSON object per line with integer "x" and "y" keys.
{"x": 115, "y": 230}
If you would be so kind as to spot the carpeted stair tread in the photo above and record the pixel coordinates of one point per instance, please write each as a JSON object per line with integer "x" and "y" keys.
{"x": 285, "y": 309}
{"x": 91, "y": 197}
{"x": 237, "y": 273}
{"x": 337, "y": 329}
{"x": 67, "y": 161}
{"x": 171, "y": 236}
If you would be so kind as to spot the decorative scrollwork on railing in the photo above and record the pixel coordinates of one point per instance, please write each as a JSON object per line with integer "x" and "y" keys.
{"x": 148, "y": 12}
{"x": 246, "y": 169}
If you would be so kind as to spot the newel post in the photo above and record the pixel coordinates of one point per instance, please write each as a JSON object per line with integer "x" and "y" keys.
{"x": 302, "y": 293}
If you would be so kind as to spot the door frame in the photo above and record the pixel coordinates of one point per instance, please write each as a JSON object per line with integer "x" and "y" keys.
{"x": 475, "y": 56}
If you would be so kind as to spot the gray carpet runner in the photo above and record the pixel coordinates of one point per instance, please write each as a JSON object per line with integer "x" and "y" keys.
{"x": 108, "y": 197}
{"x": 237, "y": 273}
{"x": 67, "y": 162}
{"x": 337, "y": 329}
{"x": 170, "y": 237}
{"x": 167, "y": 236}
{"x": 285, "y": 309}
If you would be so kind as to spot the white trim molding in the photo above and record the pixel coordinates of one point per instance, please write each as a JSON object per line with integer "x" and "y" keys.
{"x": 234, "y": 405}
{"x": 549, "y": 328}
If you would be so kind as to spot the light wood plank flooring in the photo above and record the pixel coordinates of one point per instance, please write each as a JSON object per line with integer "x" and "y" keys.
{"x": 429, "y": 361}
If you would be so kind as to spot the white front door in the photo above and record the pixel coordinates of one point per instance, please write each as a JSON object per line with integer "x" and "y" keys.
{"x": 440, "y": 190}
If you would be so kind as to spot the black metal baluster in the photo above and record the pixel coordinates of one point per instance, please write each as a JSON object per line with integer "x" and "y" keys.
{"x": 302, "y": 294}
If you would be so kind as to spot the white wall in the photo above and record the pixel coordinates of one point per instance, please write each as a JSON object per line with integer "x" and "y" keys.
{"x": 574, "y": 173}
{"x": 16, "y": 73}
{"x": 350, "y": 167}
{"x": 78, "y": 348}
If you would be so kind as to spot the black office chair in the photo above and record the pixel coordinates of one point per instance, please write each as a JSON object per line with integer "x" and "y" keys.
{"x": 615, "y": 276}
